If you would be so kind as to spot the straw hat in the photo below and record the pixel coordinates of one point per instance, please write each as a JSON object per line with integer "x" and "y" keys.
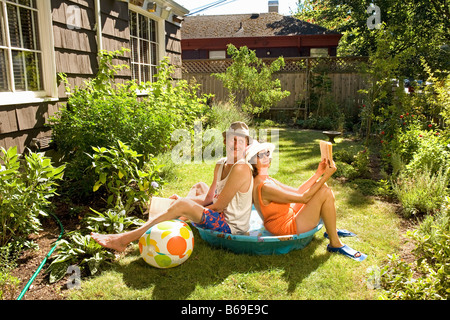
{"x": 256, "y": 147}
{"x": 238, "y": 128}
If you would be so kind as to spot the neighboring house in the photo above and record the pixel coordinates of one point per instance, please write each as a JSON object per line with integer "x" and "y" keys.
{"x": 41, "y": 38}
{"x": 270, "y": 34}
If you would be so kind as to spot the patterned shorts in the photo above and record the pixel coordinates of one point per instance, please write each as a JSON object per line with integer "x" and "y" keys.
{"x": 214, "y": 221}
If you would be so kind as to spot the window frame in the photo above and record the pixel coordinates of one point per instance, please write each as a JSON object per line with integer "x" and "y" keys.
{"x": 49, "y": 91}
{"x": 319, "y": 52}
{"x": 217, "y": 54}
{"x": 160, "y": 37}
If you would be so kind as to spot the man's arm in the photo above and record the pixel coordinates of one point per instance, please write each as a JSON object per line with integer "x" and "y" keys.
{"x": 210, "y": 195}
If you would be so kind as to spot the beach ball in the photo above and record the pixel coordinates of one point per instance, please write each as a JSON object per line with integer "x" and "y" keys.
{"x": 167, "y": 244}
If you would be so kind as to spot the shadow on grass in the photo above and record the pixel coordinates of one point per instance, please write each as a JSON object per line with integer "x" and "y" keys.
{"x": 210, "y": 266}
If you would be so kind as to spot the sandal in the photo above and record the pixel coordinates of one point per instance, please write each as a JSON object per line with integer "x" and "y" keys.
{"x": 348, "y": 252}
{"x": 341, "y": 233}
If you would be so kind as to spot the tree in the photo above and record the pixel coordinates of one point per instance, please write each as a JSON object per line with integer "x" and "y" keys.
{"x": 251, "y": 77}
{"x": 419, "y": 29}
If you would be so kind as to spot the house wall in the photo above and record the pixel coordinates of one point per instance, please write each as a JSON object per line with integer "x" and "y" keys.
{"x": 173, "y": 47}
{"x": 286, "y": 46}
{"x": 76, "y": 50}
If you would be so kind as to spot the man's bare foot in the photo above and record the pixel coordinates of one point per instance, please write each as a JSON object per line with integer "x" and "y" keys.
{"x": 110, "y": 241}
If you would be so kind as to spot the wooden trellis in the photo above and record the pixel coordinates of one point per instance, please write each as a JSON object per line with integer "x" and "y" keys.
{"x": 294, "y": 76}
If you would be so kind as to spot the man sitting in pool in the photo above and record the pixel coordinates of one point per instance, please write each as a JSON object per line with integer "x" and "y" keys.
{"x": 226, "y": 206}
{"x": 286, "y": 210}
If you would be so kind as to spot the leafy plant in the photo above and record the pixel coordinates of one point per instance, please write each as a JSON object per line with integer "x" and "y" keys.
{"x": 25, "y": 189}
{"x": 80, "y": 250}
{"x": 379, "y": 72}
{"x": 101, "y": 112}
{"x": 9, "y": 284}
{"x": 422, "y": 193}
{"x": 111, "y": 221}
{"x": 428, "y": 278}
{"x": 251, "y": 77}
{"x": 351, "y": 164}
{"x": 420, "y": 28}
{"x": 128, "y": 180}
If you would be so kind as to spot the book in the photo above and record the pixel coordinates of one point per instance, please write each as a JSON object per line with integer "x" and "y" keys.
{"x": 158, "y": 205}
{"x": 326, "y": 151}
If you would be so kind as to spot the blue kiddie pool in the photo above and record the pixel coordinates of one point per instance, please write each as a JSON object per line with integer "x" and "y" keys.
{"x": 258, "y": 241}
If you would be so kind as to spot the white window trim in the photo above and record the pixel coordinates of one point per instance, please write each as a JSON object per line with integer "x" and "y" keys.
{"x": 317, "y": 52}
{"x": 217, "y": 54}
{"x": 161, "y": 27}
{"x": 50, "y": 92}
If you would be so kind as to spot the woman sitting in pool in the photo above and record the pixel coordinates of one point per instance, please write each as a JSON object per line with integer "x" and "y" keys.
{"x": 286, "y": 210}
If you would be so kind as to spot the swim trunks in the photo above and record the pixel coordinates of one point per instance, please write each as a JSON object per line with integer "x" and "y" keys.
{"x": 214, "y": 221}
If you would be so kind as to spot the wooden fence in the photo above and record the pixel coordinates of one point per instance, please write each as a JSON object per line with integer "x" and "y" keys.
{"x": 295, "y": 77}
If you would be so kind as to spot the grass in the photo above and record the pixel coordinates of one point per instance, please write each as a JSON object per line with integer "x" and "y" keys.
{"x": 311, "y": 273}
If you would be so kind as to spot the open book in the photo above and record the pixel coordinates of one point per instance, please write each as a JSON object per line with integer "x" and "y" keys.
{"x": 159, "y": 205}
{"x": 326, "y": 151}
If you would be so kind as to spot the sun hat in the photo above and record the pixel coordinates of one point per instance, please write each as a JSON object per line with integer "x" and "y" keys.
{"x": 256, "y": 147}
{"x": 238, "y": 128}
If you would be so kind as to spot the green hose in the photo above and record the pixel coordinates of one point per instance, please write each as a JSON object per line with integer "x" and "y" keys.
{"x": 25, "y": 289}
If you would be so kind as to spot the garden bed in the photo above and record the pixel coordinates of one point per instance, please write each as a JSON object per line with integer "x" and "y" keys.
{"x": 30, "y": 260}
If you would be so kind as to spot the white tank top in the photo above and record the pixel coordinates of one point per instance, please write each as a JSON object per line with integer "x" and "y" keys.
{"x": 237, "y": 213}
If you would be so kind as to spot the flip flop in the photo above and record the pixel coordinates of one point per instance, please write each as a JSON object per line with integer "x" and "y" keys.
{"x": 342, "y": 233}
{"x": 348, "y": 252}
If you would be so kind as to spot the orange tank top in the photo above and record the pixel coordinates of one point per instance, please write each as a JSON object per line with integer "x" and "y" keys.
{"x": 279, "y": 218}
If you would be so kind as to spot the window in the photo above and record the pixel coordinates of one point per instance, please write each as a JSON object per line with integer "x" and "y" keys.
{"x": 144, "y": 47}
{"x": 21, "y": 55}
{"x": 27, "y": 65}
{"x": 217, "y": 54}
{"x": 319, "y": 52}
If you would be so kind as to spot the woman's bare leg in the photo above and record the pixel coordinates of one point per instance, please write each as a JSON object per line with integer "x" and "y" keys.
{"x": 321, "y": 205}
{"x": 183, "y": 207}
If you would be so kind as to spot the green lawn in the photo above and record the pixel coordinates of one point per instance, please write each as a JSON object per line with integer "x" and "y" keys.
{"x": 311, "y": 273}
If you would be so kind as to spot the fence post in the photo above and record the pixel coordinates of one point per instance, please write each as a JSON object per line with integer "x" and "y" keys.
{"x": 308, "y": 91}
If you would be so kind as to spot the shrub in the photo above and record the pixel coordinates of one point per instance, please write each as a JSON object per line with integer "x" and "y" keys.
{"x": 127, "y": 180}
{"x": 423, "y": 192}
{"x": 102, "y": 112}
{"x": 318, "y": 123}
{"x": 351, "y": 164}
{"x": 415, "y": 146}
{"x": 221, "y": 115}
{"x": 428, "y": 278}
{"x": 431, "y": 153}
{"x": 345, "y": 155}
{"x": 250, "y": 76}
{"x": 345, "y": 170}
{"x": 25, "y": 189}
{"x": 9, "y": 284}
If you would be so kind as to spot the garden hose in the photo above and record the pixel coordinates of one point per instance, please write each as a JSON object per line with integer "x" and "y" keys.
{"x": 25, "y": 289}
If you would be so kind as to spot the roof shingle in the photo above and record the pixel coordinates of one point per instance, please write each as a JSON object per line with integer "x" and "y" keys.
{"x": 248, "y": 25}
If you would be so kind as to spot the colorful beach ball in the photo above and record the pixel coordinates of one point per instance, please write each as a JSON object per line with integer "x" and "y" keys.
{"x": 167, "y": 244}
